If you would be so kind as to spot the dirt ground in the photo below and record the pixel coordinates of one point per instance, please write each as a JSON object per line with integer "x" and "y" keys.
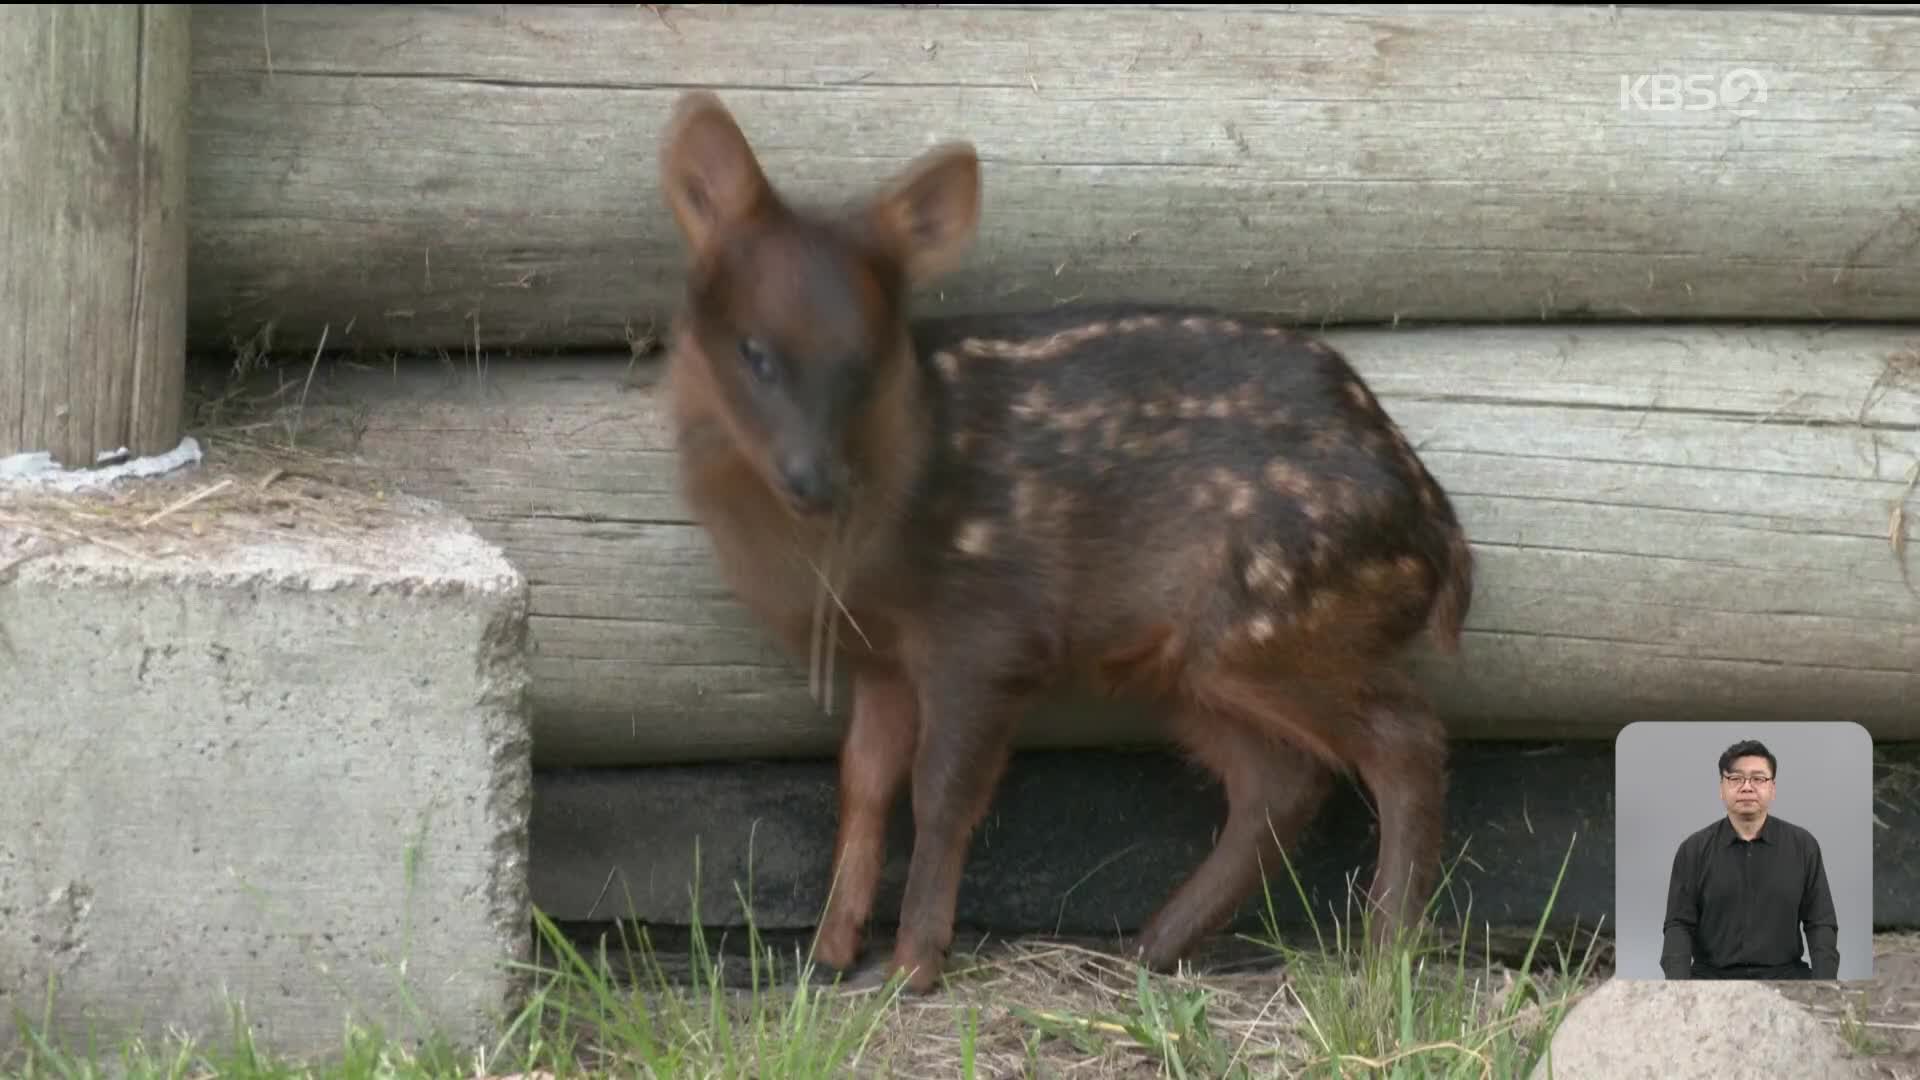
{"x": 1880, "y": 1016}
{"x": 1021, "y": 985}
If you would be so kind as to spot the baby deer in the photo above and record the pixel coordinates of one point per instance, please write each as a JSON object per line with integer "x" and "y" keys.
{"x": 1206, "y": 509}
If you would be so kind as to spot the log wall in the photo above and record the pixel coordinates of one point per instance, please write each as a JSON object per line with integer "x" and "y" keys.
{"x": 1671, "y": 523}
{"x": 483, "y": 176}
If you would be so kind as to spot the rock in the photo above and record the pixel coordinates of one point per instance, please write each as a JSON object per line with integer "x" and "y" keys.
{"x": 1631, "y": 1028}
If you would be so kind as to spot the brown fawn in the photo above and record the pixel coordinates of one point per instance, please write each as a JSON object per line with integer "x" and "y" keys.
{"x": 1203, "y": 508}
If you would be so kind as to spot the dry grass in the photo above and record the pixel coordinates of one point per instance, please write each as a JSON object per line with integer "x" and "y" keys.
{"x": 237, "y": 494}
{"x": 1065, "y": 1009}
{"x": 256, "y": 481}
{"x": 1060, "y": 1008}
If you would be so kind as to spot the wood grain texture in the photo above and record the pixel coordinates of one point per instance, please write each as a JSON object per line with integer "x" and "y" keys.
{"x": 446, "y": 176}
{"x": 93, "y": 228}
{"x": 1671, "y": 522}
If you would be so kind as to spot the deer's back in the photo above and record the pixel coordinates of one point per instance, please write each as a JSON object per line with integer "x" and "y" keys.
{"x": 1128, "y": 476}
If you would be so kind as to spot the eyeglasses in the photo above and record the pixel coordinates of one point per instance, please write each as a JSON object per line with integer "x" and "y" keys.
{"x": 1738, "y": 781}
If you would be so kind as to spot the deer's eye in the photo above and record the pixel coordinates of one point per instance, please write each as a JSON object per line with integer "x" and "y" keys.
{"x": 759, "y": 360}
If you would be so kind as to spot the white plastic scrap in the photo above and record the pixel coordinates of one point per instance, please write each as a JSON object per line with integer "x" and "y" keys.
{"x": 37, "y": 469}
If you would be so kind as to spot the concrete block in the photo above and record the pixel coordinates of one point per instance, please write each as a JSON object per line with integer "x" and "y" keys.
{"x": 265, "y": 750}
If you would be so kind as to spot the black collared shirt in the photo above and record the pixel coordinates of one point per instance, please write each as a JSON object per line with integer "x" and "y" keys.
{"x": 1737, "y": 907}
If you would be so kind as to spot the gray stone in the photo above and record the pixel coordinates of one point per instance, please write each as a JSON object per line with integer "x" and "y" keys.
{"x": 276, "y": 761}
{"x": 1628, "y": 1029}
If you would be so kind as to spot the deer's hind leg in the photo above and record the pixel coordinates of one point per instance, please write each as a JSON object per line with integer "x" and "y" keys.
{"x": 1375, "y": 723}
{"x": 1273, "y": 791}
{"x": 1399, "y": 746}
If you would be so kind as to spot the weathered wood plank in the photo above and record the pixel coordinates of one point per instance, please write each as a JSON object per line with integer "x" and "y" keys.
{"x": 1091, "y": 842}
{"x": 93, "y": 228}
{"x": 418, "y": 175}
{"x": 1670, "y": 521}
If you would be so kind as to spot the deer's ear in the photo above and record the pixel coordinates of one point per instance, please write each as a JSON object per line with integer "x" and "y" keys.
{"x": 709, "y": 176}
{"x": 928, "y": 216}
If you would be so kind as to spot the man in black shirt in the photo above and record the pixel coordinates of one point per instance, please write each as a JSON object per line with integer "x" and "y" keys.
{"x": 1744, "y": 887}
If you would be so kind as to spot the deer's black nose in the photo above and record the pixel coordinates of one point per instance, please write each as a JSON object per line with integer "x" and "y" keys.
{"x": 808, "y": 484}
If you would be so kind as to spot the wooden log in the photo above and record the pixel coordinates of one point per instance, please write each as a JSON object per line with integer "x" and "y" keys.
{"x": 1089, "y": 842}
{"x": 484, "y": 175}
{"x": 1670, "y": 522}
{"x": 93, "y": 228}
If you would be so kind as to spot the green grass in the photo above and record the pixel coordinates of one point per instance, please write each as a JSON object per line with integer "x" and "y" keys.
{"x": 1411, "y": 1011}
{"x": 1406, "y": 1011}
{"x": 1031, "y": 1009}
{"x": 579, "y": 1020}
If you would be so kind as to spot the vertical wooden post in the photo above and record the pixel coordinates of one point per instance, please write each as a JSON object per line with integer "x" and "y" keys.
{"x": 93, "y": 228}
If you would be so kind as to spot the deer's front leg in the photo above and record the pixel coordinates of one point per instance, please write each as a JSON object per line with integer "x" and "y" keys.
{"x": 875, "y": 760}
{"x": 965, "y": 732}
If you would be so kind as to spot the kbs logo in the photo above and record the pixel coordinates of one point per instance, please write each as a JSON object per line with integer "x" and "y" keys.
{"x": 1692, "y": 93}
